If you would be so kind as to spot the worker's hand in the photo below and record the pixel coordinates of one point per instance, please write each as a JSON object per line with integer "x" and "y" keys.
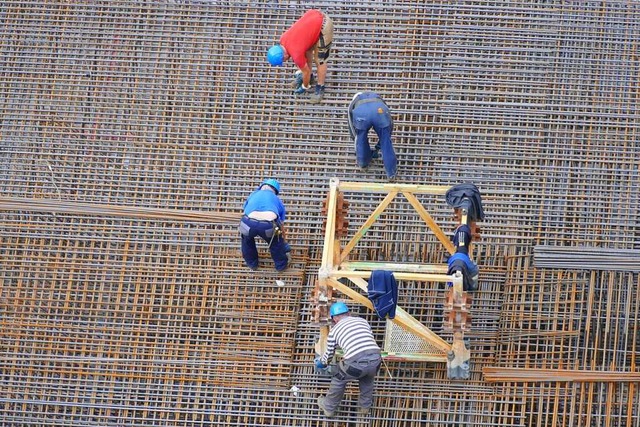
{"x": 318, "y": 363}
{"x": 297, "y": 80}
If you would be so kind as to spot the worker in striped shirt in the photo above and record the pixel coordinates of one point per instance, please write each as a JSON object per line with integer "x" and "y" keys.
{"x": 361, "y": 359}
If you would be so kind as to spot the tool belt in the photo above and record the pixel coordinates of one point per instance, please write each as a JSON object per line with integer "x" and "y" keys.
{"x": 323, "y": 46}
{"x": 355, "y": 367}
{"x": 275, "y": 230}
{"x": 367, "y": 356}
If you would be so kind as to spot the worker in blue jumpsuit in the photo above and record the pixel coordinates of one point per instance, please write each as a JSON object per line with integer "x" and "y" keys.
{"x": 263, "y": 216}
{"x": 367, "y": 110}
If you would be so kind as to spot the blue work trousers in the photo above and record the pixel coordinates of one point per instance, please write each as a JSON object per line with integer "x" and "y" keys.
{"x": 250, "y": 229}
{"x": 365, "y": 117}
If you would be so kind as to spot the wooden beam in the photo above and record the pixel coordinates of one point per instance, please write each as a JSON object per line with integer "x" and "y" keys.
{"x": 430, "y": 222}
{"x": 412, "y": 324}
{"x": 370, "y": 187}
{"x": 330, "y": 230}
{"x": 402, "y": 318}
{"x": 321, "y": 346}
{"x": 395, "y": 267}
{"x": 421, "y": 277}
{"x": 389, "y": 356}
{"x": 367, "y": 224}
{"x": 354, "y": 295}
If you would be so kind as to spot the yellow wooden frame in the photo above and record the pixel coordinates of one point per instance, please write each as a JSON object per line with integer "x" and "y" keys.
{"x": 335, "y": 264}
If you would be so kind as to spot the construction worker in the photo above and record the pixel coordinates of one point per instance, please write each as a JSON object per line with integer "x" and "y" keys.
{"x": 307, "y": 40}
{"x": 367, "y": 110}
{"x": 263, "y": 216}
{"x": 361, "y": 359}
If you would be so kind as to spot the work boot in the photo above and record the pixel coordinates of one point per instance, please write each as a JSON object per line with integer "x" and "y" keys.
{"x": 321, "y": 405}
{"x": 316, "y": 97}
{"x": 363, "y": 168}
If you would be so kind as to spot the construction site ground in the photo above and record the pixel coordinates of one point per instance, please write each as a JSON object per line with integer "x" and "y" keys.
{"x": 132, "y": 132}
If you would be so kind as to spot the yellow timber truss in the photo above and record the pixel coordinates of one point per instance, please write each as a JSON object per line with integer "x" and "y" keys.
{"x": 336, "y": 267}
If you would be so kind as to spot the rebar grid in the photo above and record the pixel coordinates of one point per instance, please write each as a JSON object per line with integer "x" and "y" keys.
{"x": 145, "y": 320}
{"x": 132, "y": 314}
{"x": 571, "y": 320}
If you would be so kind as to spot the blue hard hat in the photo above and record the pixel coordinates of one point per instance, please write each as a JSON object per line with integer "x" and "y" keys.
{"x": 275, "y": 55}
{"x": 338, "y": 308}
{"x": 272, "y": 183}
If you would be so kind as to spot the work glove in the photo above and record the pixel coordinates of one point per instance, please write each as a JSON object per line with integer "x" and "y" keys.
{"x": 318, "y": 362}
{"x": 297, "y": 80}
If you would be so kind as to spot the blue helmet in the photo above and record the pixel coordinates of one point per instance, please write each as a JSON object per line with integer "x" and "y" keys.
{"x": 338, "y": 308}
{"x": 272, "y": 183}
{"x": 275, "y": 55}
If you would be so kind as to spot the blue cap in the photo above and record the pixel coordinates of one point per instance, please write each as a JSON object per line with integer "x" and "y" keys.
{"x": 338, "y": 308}
{"x": 273, "y": 184}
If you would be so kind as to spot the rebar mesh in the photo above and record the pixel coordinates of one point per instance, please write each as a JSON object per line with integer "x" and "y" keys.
{"x": 135, "y": 319}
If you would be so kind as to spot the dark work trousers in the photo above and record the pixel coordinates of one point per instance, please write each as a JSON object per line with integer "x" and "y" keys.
{"x": 249, "y": 230}
{"x": 363, "y": 369}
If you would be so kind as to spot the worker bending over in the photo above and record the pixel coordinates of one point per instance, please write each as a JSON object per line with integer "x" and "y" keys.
{"x": 307, "y": 40}
{"x": 361, "y": 359}
{"x": 263, "y": 216}
{"x": 367, "y": 110}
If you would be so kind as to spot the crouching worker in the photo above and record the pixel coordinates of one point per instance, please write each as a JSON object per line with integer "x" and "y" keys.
{"x": 263, "y": 216}
{"x": 306, "y": 42}
{"x": 367, "y": 110}
{"x": 361, "y": 359}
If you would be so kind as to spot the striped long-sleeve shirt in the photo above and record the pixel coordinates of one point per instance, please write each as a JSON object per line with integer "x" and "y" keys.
{"x": 353, "y": 335}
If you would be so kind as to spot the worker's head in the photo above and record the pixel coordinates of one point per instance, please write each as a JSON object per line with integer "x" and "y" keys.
{"x": 337, "y": 309}
{"x": 274, "y": 184}
{"x": 276, "y": 55}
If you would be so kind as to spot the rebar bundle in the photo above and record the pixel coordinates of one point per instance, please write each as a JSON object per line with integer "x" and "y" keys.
{"x": 132, "y": 132}
{"x": 577, "y": 258}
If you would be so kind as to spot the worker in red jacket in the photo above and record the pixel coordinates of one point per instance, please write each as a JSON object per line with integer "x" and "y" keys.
{"x": 307, "y": 40}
